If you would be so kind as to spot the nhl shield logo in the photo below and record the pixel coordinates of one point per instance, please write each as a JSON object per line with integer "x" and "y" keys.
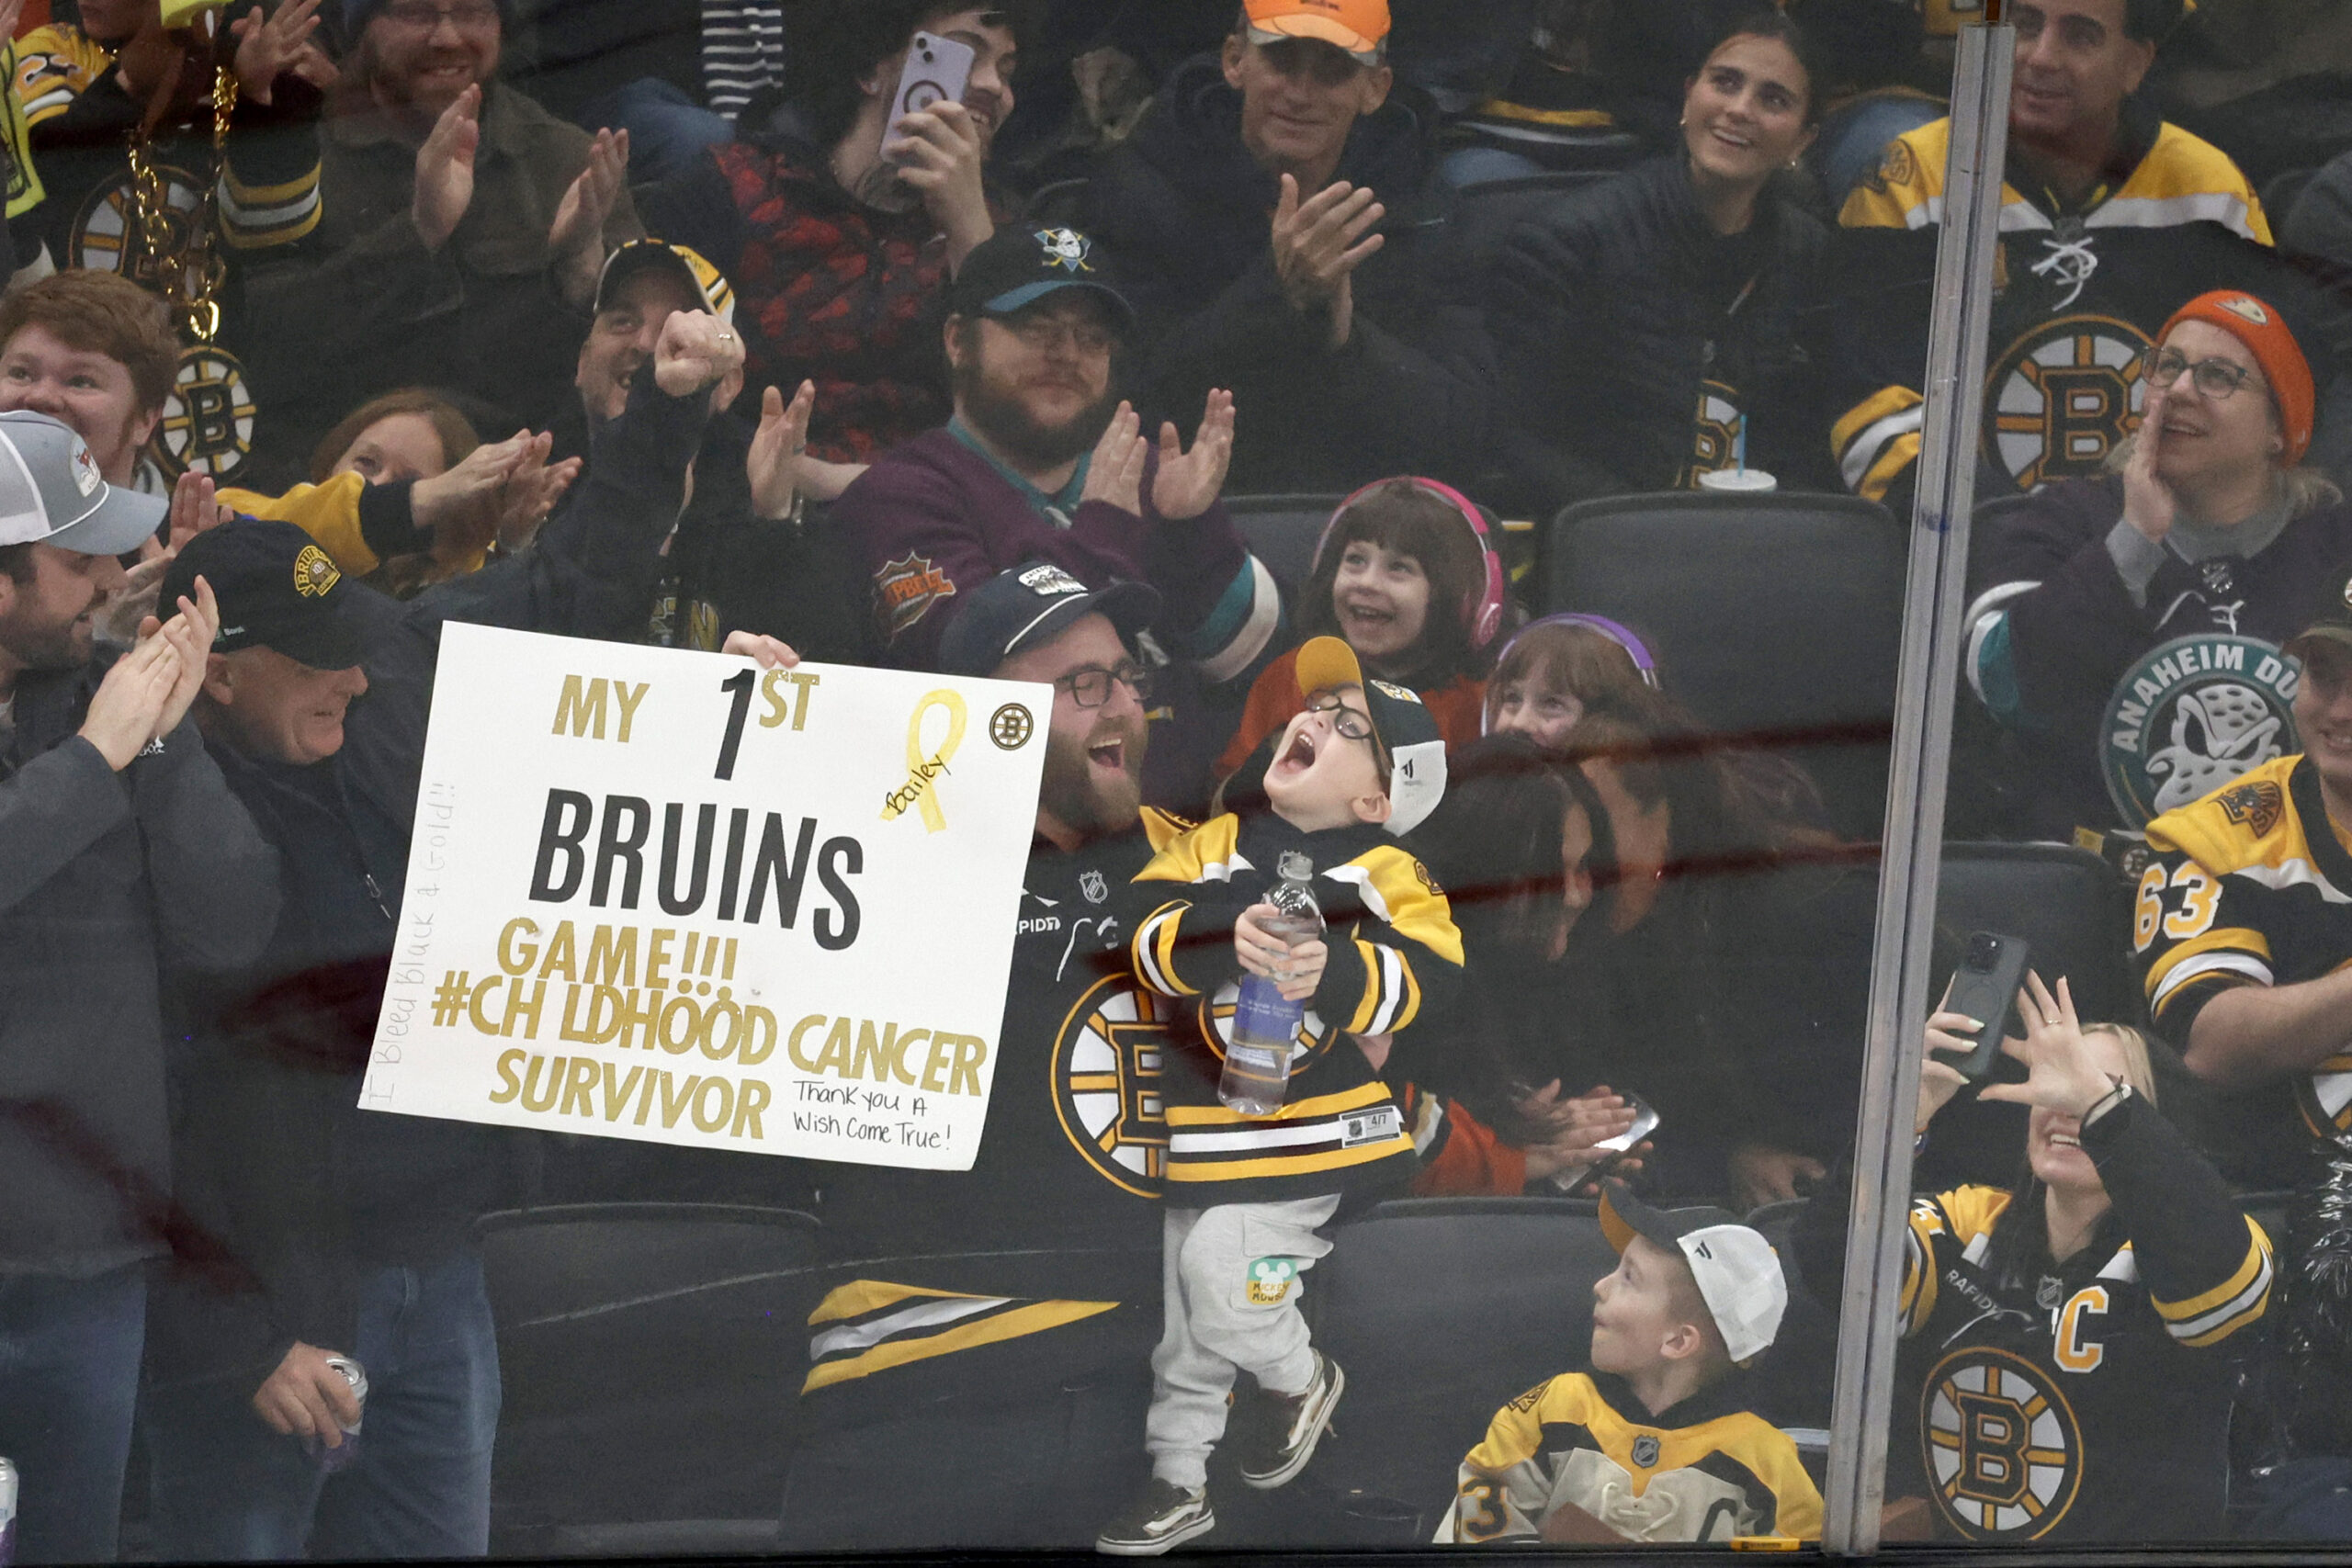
{"x": 2192, "y": 716}
{"x": 1092, "y": 886}
{"x": 1646, "y": 1450}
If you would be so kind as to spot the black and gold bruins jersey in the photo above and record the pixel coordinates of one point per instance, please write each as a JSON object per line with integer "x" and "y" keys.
{"x": 2242, "y": 893}
{"x": 2079, "y": 291}
{"x": 1045, "y": 1255}
{"x": 1395, "y": 954}
{"x": 2089, "y": 1399}
{"x": 1716, "y": 1473}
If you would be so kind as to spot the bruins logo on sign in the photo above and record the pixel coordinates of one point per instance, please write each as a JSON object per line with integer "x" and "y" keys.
{"x": 2002, "y": 1449}
{"x": 1108, "y": 1064}
{"x": 2062, "y": 398}
{"x": 98, "y": 239}
{"x": 2192, "y": 716}
{"x": 207, "y": 423}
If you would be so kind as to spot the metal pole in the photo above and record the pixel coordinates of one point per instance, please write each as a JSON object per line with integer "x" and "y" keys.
{"x": 1913, "y": 840}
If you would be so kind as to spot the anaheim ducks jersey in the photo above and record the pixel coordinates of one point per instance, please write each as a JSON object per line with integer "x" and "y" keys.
{"x": 1718, "y": 1473}
{"x": 2078, "y": 292}
{"x": 1044, "y": 1257}
{"x": 1394, "y": 953}
{"x": 2089, "y": 1399}
{"x": 2244, "y": 891}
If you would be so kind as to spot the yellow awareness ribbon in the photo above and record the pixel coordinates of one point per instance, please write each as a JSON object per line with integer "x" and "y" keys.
{"x": 921, "y": 770}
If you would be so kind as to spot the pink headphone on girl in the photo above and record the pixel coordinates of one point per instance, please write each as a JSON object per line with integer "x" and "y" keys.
{"x": 1482, "y": 608}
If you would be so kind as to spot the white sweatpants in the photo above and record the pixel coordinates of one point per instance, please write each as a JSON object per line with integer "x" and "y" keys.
{"x": 1233, "y": 1276}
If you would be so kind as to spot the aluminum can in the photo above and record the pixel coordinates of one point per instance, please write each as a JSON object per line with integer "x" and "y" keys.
{"x": 7, "y": 1513}
{"x": 336, "y": 1459}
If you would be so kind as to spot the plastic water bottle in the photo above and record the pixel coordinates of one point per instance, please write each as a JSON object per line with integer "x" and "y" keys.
{"x": 1265, "y": 1027}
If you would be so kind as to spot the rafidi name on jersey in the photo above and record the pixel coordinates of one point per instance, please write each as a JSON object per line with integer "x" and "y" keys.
{"x": 2079, "y": 289}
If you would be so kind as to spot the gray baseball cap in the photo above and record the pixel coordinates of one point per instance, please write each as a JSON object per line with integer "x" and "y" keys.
{"x": 52, "y": 492}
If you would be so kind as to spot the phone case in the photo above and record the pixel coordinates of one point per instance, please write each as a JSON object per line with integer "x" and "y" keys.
{"x": 937, "y": 71}
{"x": 1992, "y": 995}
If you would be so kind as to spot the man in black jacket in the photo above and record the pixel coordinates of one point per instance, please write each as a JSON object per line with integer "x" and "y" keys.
{"x": 1278, "y": 224}
{"x": 120, "y": 847}
{"x": 334, "y": 1232}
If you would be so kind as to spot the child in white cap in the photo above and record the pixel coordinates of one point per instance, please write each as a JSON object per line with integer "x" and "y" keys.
{"x": 1653, "y": 1443}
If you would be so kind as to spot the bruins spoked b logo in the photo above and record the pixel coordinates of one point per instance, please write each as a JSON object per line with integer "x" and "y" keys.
{"x": 1107, "y": 1082}
{"x": 2192, "y": 715}
{"x": 2062, "y": 398}
{"x": 2003, "y": 1452}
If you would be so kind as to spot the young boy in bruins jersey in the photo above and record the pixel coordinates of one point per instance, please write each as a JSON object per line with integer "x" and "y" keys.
{"x": 1653, "y": 1443}
{"x": 1245, "y": 1195}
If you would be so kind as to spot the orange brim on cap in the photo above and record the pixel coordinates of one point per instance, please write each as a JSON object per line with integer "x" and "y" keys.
{"x": 1326, "y": 663}
{"x": 1358, "y": 27}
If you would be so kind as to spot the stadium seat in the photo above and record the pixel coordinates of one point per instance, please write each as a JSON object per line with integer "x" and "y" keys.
{"x": 650, "y": 1356}
{"x": 1281, "y": 531}
{"x": 1441, "y": 1310}
{"x": 1487, "y": 212}
{"x": 1775, "y": 615}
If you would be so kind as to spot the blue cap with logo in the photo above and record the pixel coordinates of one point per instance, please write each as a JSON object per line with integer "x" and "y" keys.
{"x": 1026, "y": 262}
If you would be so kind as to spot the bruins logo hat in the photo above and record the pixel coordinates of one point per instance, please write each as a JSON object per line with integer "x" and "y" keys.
{"x": 276, "y": 589}
{"x": 1407, "y": 730}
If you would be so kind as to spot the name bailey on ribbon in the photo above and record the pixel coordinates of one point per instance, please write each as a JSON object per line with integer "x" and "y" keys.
{"x": 633, "y": 911}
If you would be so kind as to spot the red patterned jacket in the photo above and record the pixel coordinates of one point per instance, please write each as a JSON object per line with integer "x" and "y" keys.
{"x": 826, "y": 289}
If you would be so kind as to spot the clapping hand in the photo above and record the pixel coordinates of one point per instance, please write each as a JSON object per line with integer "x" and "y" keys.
{"x": 773, "y": 463}
{"x": 270, "y": 43}
{"x": 1115, "y": 475}
{"x": 190, "y": 634}
{"x": 445, "y": 170}
{"x": 576, "y": 238}
{"x": 129, "y": 702}
{"x": 1188, "y": 483}
{"x": 2061, "y": 1074}
{"x": 1319, "y": 243}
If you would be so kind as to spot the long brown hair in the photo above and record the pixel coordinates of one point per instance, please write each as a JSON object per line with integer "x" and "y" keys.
{"x": 454, "y": 429}
{"x": 1401, "y": 515}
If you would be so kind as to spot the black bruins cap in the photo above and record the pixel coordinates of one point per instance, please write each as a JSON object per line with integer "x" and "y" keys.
{"x": 1031, "y": 604}
{"x": 276, "y": 589}
{"x": 1024, "y": 263}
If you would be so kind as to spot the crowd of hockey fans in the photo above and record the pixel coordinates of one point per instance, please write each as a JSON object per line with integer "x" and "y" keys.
{"x": 1224, "y": 364}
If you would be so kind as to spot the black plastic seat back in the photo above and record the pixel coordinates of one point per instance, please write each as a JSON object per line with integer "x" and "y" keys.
{"x": 1776, "y": 619}
{"x": 651, "y": 1356}
{"x": 1443, "y": 1309}
{"x": 1281, "y": 531}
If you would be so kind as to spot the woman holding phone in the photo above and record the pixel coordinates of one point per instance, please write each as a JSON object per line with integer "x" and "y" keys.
{"x": 2071, "y": 1338}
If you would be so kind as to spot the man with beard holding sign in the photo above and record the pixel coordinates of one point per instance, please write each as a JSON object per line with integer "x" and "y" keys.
{"x": 978, "y": 1377}
{"x": 1042, "y": 462}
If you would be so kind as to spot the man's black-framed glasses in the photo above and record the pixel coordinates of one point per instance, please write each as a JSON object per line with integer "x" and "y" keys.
{"x": 1091, "y": 688}
{"x": 2217, "y": 379}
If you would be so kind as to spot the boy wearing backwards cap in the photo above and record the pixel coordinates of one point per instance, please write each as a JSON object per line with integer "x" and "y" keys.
{"x": 1245, "y": 1194}
{"x": 1652, "y": 1444}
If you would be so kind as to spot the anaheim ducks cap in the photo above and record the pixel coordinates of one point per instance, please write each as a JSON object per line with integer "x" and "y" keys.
{"x": 679, "y": 262}
{"x": 1407, "y": 728}
{"x": 52, "y": 494}
{"x": 1738, "y": 1273}
{"x": 1031, "y": 604}
{"x": 276, "y": 589}
{"x": 1024, "y": 263}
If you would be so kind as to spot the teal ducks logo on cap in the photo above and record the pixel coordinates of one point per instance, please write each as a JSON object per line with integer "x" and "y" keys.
{"x": 1066, "y": 248}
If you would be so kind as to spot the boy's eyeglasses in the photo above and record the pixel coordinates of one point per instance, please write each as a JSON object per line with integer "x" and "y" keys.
{"x": 2217, "y": 379}
{"x": 1350, "y": 722}
{"x": 1091, "y": 688}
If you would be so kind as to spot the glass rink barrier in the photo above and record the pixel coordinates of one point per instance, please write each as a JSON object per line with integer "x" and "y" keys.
{"x": 801, "y": 779}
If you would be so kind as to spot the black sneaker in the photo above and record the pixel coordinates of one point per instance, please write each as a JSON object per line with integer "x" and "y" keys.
{"x": 1165, "y": 1516}
{"x": 1291, "y": 1426}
